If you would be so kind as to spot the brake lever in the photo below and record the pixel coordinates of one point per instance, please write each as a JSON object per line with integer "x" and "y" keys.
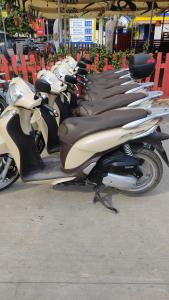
{"x": 81, "y": 82}
{"x": 83, "y": 77}
{"x": 67, "y": 97}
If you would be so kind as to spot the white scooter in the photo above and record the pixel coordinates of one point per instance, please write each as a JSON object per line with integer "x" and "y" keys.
{"x": 114, "y": 149}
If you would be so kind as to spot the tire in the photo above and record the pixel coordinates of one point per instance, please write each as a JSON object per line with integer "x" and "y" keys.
{"x": 12, "y": 174}
{"x": 156, "y": 168}
{"x": 39, "y": 141}
{"x": 3, "y": 105}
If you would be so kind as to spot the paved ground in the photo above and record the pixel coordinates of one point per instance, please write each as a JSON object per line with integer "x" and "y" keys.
{"x": 57, "y": 245}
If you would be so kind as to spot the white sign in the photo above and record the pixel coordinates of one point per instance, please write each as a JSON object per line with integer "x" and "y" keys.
{"x": 82, "y": 30}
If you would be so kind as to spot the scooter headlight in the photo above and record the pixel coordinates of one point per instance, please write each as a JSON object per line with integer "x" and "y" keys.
{"x": 14, "y": 94}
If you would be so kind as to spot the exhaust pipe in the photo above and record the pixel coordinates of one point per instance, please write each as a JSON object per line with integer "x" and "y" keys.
{"x": 119, "y": 182}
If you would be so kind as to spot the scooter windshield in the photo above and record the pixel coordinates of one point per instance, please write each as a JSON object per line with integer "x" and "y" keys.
{"x": 30, "y": 85}
{"x": 21, "y": 94}
{"x": 57, "y": 86}
{"x": 14, "y": 94}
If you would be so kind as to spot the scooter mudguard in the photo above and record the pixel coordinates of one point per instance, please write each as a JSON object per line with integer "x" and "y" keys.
{"x": 155, "y": 140}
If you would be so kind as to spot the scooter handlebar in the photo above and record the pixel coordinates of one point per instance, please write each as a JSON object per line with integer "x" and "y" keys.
{"x": 82, "y": 72}
{"x": 81, "y": 64}
{"x": 86, "y": 61}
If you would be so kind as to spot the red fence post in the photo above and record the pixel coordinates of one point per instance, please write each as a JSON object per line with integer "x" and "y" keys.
{"x": 157, "y": 70}
{"x": 24, "y": 67}
{"x": 107, "y": 67}
{"x": 165, "y": 83}
{"x": 78, "y": 56}
{"x": 96, "y": 61}
{"x": 124, "y": 62}
{"x": 5, "y": 68}
{"x": 87, "y": 55}
{"x": 32, "y": 67}
{"x": 42, "y": 63}
{"x": 14, "y": 64}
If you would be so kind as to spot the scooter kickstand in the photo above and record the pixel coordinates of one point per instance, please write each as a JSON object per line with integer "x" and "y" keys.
{"x": 106, "y": 201}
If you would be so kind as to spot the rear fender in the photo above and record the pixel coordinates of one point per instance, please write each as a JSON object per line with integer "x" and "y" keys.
{"x": 155, "y": 140}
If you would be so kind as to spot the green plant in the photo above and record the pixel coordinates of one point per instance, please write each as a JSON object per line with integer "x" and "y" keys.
{"x": 102, "y": 57}
{"x": 52, "y": 58}
{"x": 17, "y": 20}
{"x": 104, "y": 54}
{"x": 117, "y": 61}
{"x": 93, "y": 51}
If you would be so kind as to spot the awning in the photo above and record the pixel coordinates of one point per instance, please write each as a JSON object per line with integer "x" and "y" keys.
{"x": 88, "y": 8}
{"x": 146, "y": 20}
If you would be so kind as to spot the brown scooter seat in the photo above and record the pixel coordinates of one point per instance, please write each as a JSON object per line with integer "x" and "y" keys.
{"x": 98, "y": 107}
{"x": 107, "y": 83}
{"x": 96, "y": 94}
{"x": 108, "y": 74}
{"x": 73, "y": 129}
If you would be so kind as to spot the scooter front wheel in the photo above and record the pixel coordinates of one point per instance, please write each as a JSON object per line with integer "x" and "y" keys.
{"x": 3, "y": 105}
{"x": 8, "y": 172}
{"x": 152, "y": 170}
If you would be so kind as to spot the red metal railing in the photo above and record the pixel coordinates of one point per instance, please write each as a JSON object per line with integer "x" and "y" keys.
{"x": 28, "y": 69}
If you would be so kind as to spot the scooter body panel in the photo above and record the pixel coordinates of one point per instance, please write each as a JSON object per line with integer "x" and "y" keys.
{"x": 38, "y": 123}
{"x": 102, "y": 141}
{"x": 3, "y": 146}
{"x": 7, "y": 144}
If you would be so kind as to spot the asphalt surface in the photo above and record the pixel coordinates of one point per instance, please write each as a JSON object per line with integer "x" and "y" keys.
{"x": 58, "y": 245}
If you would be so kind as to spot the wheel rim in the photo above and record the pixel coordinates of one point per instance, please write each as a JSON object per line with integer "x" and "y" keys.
{"x": 149, "y": 170}
{"x": 11, "y": 175}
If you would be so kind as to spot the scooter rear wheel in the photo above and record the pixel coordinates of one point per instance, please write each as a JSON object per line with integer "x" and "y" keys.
{"x": 152, "y": 170}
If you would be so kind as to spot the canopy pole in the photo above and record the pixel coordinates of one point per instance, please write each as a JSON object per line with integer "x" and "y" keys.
{"x": 150, "y": 27}
{"x": 163, "y": 25}
{"x": 132, "y": 33}
{"x": 65, "y": 25}
{"x": 59, "y": 22}
{"x": 4, "y": 27}
{"x": 100, "y": 42}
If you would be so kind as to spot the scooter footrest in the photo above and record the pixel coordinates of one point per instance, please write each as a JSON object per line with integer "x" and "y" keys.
{"x": 53, "y": 149}
{"x": 51, "y": 170}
